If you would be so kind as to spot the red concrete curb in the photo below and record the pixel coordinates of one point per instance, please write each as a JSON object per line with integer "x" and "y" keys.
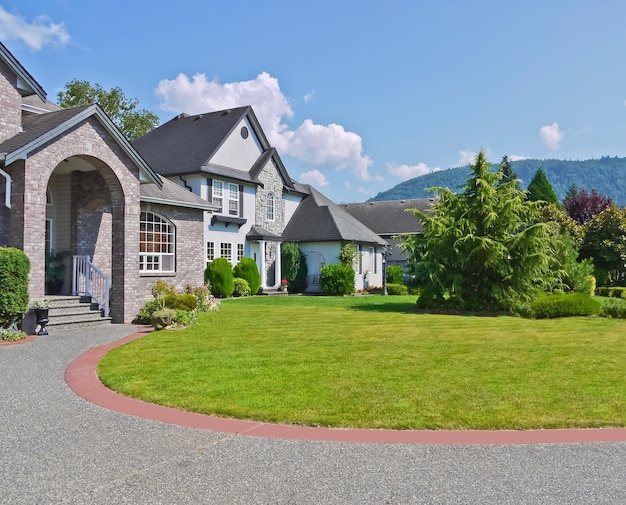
{"x": 81, "y": 377}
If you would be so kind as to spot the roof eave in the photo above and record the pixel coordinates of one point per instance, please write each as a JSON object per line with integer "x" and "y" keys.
{"x": 162, "y": 201}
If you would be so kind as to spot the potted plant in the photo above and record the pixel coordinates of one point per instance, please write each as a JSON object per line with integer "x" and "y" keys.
{"x": 55, "y": 271}
{"x": 284, "y": 284}
{"x": 41, "y": 307}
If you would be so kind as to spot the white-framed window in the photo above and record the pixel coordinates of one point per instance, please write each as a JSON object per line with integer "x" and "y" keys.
{"x": 233, "y": 199}
{"x": 271, "y": 207}
{"x": 157, "y": 243}
{"x": 218, "y": 194}
{"x": 226, "y": 250}
{"x": 371, "y": 260}
{"x": 210, "y": 251}
{"x": 239, "y": 252}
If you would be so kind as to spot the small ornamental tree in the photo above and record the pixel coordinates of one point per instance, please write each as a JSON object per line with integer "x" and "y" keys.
{"x": 582, "y": 206}
{"x": 483, "y": 248}
{"x": 605, "y": 243}
{"x": 540, "y": 189}
{"x": 14, "y": 270}
{"x": 247, "y": 269}
{"x": 220, "y": 274}
{"x": 294, "y": 267}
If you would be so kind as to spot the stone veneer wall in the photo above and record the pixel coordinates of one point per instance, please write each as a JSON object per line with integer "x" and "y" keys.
{"x": 272, "y": 182}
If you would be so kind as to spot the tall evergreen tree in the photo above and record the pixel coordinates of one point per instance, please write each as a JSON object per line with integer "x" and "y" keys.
{"x": 540, "y": 188}
{"x": 484, "y": 247}
{"x": 508, "y": 174}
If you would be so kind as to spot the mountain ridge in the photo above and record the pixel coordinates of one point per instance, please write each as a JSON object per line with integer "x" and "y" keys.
{"x": 607, "y": 175}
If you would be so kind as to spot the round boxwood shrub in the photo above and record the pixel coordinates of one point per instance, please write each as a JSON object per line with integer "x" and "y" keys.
{"x": 337, "y": 279}
{"x": 14, "y": 270}
{"x": 247, "y": 269}
{"x": 241, "y": 287}
{"x": 181, "y": 301}
{"x": 220, "y": 274}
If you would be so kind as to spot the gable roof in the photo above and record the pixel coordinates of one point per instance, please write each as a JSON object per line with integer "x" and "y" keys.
{"x": 40, "y": 129}
{"x": 29, "y": 86}
{"x": 186, "y": 144}
{"x": 318, "y": 219}
{"x": 389, "y": 217}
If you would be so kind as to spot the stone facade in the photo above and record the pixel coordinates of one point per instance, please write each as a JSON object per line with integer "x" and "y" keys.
{"x": 10, "y": 103}
{"x": 272, "y": 182}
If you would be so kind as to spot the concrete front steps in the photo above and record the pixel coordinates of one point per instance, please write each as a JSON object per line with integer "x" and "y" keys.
{"x": 67, "y": 312}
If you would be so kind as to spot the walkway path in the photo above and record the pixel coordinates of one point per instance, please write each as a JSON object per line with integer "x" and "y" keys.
{"x": 55, "y": 447}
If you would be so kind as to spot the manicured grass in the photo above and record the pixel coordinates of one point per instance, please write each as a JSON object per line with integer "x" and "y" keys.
{"x": 371, "y": 362}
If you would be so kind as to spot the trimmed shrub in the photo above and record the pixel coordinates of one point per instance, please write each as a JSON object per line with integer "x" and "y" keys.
{"x": 246, "y": 269}
{"x": 181, "y": 301}
{"x": 294, "y": 267}
{"x": 613, "y": 292}
{"x": 220, "y": 274}
{"x": 14, "y": 270}
{"x": 397, "y": 289}
{"x": 337, "y": 279}
{"x": 241, "y": 287}
{"x": 395, "y": 275}
{"x": 614, "y": 307}
{"x": 144, "y": 316}
{"x": 565, "y": 305}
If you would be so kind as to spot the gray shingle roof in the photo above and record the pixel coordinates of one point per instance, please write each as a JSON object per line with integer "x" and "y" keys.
{"x": 172, "y": 194}
{"x": 318, "y": 219}
{"x": 390, "y": 217}
{"x": 186, "y": 143}
{"x": 35, "y": 101}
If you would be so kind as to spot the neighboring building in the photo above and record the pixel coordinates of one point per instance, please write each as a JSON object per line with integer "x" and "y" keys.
{"x": 320, "y": 227}
{"x": 389, "y": 220}
{"x": 70, "y": 181}
{"x": 225, "y": 158}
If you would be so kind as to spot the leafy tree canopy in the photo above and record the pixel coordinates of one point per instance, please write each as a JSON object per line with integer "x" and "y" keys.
{"x": 582, "y": 206}
{"x": 484, "y": 248}
{"x": 605, "y": 243}
{"x": 540, "y": 188}
{"x": 132, "y": 122}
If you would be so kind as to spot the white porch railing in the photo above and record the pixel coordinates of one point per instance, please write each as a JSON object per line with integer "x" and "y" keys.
{"x": 88, "y": 280}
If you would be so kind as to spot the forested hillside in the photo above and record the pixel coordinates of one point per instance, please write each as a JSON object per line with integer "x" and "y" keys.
{"x": 606, "y": 175}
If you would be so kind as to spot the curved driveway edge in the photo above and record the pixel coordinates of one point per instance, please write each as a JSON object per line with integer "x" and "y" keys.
{"x": 82, "y": 378}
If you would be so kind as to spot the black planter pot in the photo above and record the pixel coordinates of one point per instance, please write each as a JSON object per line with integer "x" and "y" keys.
{"x": 42, "y": 319}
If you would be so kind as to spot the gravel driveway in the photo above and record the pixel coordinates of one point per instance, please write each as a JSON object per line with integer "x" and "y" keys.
{"x": 57, "y": 448}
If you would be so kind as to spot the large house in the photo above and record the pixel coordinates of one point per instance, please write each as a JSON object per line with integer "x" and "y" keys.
{"x": 126, "y": 215}
{"x": 70, "y": 181}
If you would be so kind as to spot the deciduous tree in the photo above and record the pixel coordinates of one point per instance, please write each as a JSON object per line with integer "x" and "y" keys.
{"x": 582, "y": 206}
{"x": 132, "y": 122}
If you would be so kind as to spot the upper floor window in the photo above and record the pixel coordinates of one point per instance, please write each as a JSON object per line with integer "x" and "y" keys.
{"x": 233, "y": 199}
{"x": 218, "y": 194}
{"x": 271, "y": 207}
{"x": 156, "y": 243}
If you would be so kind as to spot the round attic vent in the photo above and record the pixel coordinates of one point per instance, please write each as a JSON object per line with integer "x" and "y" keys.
{"x": 244, "y": 132}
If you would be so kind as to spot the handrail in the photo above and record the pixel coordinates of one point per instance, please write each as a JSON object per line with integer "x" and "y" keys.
{"x": 89, "y": 280}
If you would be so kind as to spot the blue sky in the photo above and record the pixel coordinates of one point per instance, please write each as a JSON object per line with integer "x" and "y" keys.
{"x": 357, "y": 96}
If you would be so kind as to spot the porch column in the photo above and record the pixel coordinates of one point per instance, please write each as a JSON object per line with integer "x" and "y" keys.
{"x": 263, "y": 270}
{"x": 277, "y": 267}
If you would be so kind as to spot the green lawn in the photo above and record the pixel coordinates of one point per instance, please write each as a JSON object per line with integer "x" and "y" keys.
{"x": 370, "y": 362}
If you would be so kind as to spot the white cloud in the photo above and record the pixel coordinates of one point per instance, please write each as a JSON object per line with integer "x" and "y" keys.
{"x": 312, "y": 143}
{"x": 406, "y": 172}
{"x": 551, "y": 136}
{"x": 515, "y": 157}
{"x": 314, "y": 178}
{"x": 35, "y": 35}
{"x": 467, "y": 157}
{"x": 309, "y": 96}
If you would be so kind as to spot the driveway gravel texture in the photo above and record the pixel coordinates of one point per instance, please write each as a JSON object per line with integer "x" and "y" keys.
{"x": 56, "y": 448}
